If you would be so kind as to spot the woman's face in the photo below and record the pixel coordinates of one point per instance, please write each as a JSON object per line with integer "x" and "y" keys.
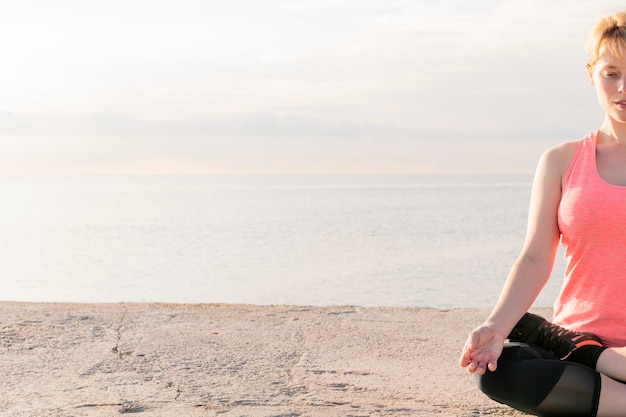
{"x": 608, "y": 75}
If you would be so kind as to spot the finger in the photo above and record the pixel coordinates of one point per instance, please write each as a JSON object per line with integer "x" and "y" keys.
{"x": 473, "y": 340}
{"x": 492, "y": 366}
{"x": 479, "y": 369}
{"x": 464, "y": 361}
{"x": 469, "y": 344}
{"x": 465, "y": 358}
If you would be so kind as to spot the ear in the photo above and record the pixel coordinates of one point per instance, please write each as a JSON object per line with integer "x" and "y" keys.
{"x": 590, "y": 72}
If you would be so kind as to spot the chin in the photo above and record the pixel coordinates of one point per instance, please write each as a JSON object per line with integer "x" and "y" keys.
{"x": 618, "y": 118}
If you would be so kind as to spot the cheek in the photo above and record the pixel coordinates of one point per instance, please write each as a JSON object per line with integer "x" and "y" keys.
{"x": 603, "y": 86}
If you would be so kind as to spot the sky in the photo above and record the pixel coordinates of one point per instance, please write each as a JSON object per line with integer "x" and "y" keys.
{"x": 196, "y": 87}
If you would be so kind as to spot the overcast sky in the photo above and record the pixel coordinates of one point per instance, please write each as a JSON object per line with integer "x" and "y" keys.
{"x": 292, "y": 86}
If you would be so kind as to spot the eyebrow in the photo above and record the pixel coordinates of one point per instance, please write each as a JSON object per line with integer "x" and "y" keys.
{"x": 609, "y": 66}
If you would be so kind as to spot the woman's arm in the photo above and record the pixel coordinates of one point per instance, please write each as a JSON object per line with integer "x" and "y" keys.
{"x": 532, "y": 268}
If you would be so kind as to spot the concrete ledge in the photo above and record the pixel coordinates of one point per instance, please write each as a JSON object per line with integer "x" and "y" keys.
{"x": 236, "y": 360}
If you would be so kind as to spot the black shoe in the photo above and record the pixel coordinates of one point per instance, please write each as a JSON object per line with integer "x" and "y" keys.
{"x": 535, "y": 330}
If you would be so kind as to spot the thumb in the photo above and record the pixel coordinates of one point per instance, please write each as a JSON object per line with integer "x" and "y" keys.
{"x": 470, "y": 345}
{"x": 473, "y": 341}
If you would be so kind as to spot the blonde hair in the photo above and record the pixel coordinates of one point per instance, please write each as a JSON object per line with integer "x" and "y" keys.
{"x": 609, "y": 32}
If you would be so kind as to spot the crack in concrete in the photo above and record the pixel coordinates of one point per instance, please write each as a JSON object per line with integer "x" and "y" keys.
{"x": 122, "y": 355}
{"x": 116, "y": 348}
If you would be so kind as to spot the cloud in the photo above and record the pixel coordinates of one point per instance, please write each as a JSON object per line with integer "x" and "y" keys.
{"x": 344, "y": 84}
{"x": 263, "y": 124}
{"x": 250, "y": 127}
{"x": 109, "y": 142}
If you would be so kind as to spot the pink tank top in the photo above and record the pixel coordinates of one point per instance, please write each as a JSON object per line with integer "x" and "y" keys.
{"x": 592, "y": 222}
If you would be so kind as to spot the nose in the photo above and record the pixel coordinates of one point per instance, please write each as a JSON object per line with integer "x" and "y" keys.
{"x": 622, "y": 85}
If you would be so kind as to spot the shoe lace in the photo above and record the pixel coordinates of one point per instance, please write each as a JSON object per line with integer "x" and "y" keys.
{"x": 561, "y": 341}
{"x": 556, "y": 338}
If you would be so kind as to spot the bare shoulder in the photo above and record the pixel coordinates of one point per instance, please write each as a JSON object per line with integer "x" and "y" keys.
{"x": 563, "y": 152}
{"x": 556, "y": 160}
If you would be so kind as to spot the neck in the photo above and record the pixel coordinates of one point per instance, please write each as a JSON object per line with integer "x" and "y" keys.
{"x": 613, "y": 131}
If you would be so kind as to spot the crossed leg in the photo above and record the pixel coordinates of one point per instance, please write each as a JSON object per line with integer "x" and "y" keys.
{"x": 612, "y": 365}
{"x": 535, "y": 381}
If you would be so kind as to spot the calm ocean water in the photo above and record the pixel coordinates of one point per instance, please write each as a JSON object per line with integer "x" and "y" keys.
{"x": 438, "y": 241}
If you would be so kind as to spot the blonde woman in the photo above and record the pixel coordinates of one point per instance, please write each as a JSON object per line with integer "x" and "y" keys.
{"x": 574, "y": 366}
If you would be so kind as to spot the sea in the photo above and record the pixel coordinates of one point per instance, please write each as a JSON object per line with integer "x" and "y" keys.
{"x": 442, "y": 241}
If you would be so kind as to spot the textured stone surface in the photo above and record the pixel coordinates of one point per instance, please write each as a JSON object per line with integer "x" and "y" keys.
{"x": 236, "y": 360}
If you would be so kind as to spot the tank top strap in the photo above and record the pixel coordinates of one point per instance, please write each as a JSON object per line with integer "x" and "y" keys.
{"x": 583, "y": 162}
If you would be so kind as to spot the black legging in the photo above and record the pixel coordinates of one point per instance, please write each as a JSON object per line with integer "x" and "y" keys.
{"x": 535, "y": 381}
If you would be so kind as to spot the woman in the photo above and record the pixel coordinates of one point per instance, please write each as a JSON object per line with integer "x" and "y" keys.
{"x": 574, "y": 366}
